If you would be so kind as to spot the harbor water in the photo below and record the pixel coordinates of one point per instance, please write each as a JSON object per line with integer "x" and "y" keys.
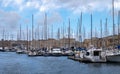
{"x": 12, "y": 63}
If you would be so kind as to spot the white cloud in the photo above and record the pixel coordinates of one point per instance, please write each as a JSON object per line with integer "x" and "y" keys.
{"x": 9, "y": 20}
{"x": 74, "y": 5}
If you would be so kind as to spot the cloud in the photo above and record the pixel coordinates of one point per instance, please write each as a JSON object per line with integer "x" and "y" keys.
{"x": 6, "y": 3}
{"x": 53, "y": 6}
{"x": 89, "y": 5}
{"x": 9, "y": 20}
{"x": 76, "y": 6}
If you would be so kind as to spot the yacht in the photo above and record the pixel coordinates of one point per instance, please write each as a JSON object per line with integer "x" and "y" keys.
{"x": 56, "y": 52}
{"x": 113, "y": 55}
{"x": 95, "y": 55}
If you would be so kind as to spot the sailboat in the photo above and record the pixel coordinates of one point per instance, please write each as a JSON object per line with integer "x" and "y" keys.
{"x": 113, "y": 55}
{"x": 32, "y": 52}
{"x": 19, "y": 47}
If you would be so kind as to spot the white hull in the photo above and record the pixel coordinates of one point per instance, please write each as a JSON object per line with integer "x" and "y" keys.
{"x": 20, "y": 51}
{"x": 113, "y": 58}
{"x": 95, "y": 59}
{"x": 32, "y": 54}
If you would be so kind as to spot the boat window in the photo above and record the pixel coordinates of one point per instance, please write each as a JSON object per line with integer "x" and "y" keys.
{"x": 87, "y": 53}
{"x": 96, "y": 53}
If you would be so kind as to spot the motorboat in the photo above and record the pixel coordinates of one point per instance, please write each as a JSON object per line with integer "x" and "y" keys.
{"x": 95, "y": 55}
{"x": 56, "y": 52}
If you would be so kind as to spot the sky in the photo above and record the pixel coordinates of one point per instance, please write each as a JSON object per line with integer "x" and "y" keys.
{"x": 16, "y": 12}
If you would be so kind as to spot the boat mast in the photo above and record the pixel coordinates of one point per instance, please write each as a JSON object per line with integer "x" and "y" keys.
{"x": 52, "y": 37}
{"x": 91, "y": 30}
{"x": 20, "y": 34}
{"x": 17, "y": 37}
{"x": 45, "y": 29}
{"x": 96, "y": 42}
{"x": 106, "y": 33}
{"x": 84, "y": 34}
{"x": 35, "y": 38}
{"x": 58, "y": 34}
{"x": 32, "y": 30}
{"x": 118, "y": 27}
{"x": 39, "y": 36}
{"x": 80, "y": 30}
{"x": 42, "y": 32}
{"x": 101, "y": 33}
{"x": 3, "y": 38}
{"x": 63, "y": 35}
{"x": 113, "y": 23}
{"x": 77, "y": 33}
{"x": 27, "y": 38}
{"x": 69, "y": 34}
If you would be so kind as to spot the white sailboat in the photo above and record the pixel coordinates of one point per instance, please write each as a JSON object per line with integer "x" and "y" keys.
{"x": 113, "y": 54}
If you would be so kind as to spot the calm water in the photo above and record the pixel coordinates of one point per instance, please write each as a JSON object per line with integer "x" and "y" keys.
{"x": 12, "y": 63}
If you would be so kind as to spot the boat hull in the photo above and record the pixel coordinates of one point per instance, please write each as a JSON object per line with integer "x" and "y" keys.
{"x": 113, "y": 58}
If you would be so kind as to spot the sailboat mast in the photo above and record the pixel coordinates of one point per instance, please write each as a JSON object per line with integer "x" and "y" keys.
{"x": 101, "y": 28}
{"x": 17, "y": 37}
{"x": 77, "y": 33}
{"x": 32, "y": 30}
{"x": 43, "y": 35}
{"x": 20, "y": 32}
{"x": 45, "y": 26}
{"x": 27, "y": 37}
{"x": 101, "y": 33}
{"x": 84, "y": 35}
{"x": 106, "y": 33}
{"x": 113, "y": 23}
{"x": 52, "y": 36}
{"x": 81, "y": 29}
{"x": 69, "y": 34}
{"x": 39, "y": 36}
{"x": 118, "y": 27}
{"x": 91, "y": 30}
{"x": 58, "y": 34}
{"x": 63, "y": 35}
{"x": 3, "y": 38}
{"x": 96, "y": 38}
{"x": 45, "y": 29}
